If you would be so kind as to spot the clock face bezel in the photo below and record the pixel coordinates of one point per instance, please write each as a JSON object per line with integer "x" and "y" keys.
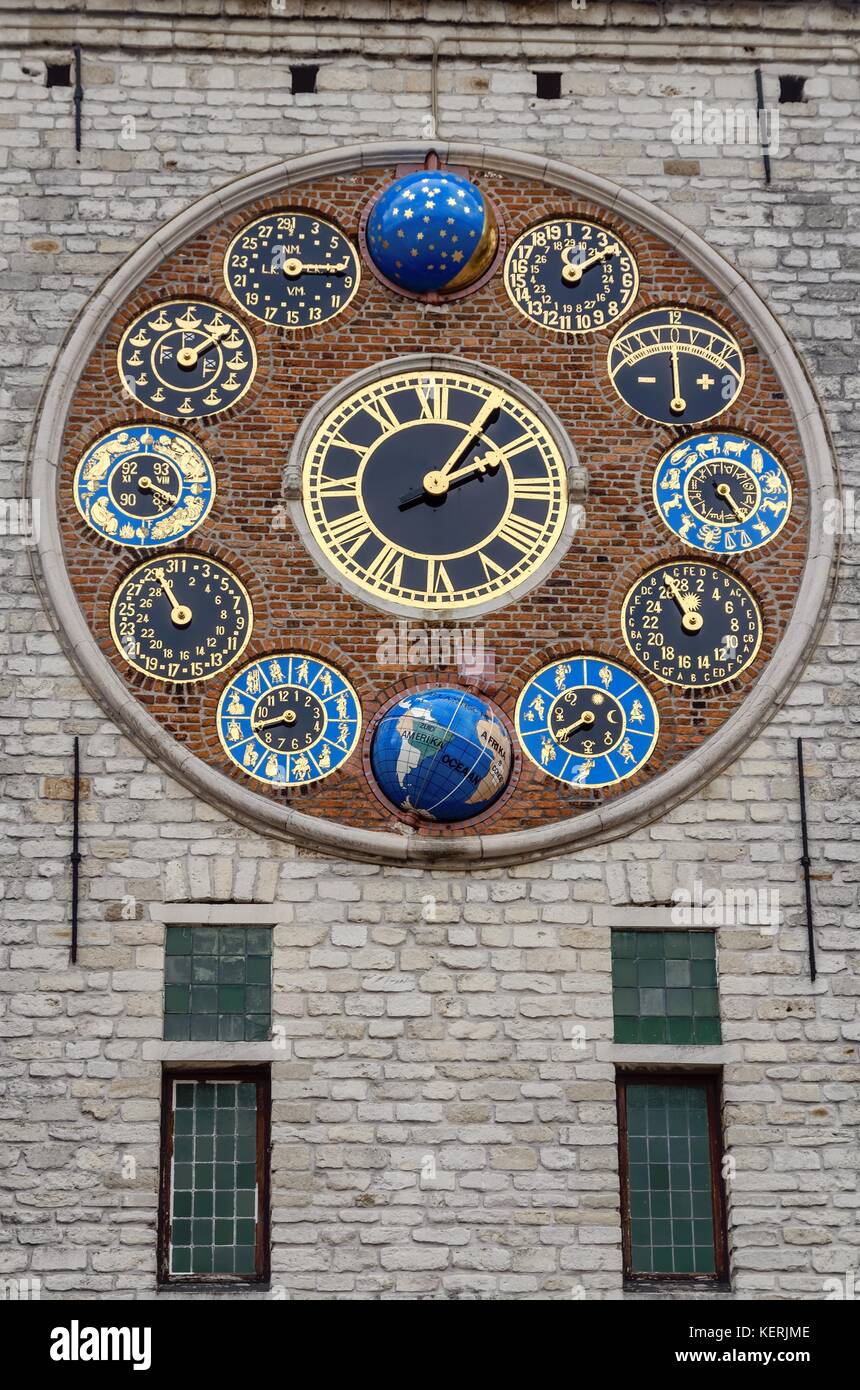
{"x": 192, "y": 301}
{"x": 665, "y": 311}
{"x": 165, "y": 558}
{"x": 617, "y": 668}
{"x": 689, "y": 562}
{"x": 349, "y": 393}
{"x": 354, "y": 253}
{"x": 284, "y": 656}
{"x": 693, "y": 442}
{"x": 567, "y": 220}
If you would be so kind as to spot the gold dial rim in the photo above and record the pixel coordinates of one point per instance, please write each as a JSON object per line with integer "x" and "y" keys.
{"x": 296, "y": 327}
{"x": 584, "y": 222}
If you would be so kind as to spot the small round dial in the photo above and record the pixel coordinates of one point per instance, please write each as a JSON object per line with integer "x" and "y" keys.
{"x": 692, "y": 624}
{"x": 722, "y": 492}
{"x": 587, "y": 721}
{"x": 143, "y": 487}
{"x": 571, "y": 276}
{"x": 676, "y": 365}
{"x": 181, "y": 617}
{"x": 186, "y": 358}
{"x": 435, "y": 489}
{"x": 292, "y": 269}
{"x": 288, "y": 719}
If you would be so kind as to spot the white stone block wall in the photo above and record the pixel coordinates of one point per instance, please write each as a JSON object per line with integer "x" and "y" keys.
{"x": 424, "y": 1013}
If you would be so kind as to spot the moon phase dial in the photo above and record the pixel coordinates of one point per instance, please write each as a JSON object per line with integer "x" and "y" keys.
{"x": 292, "y": 269}
{"x": 571, "y": 276}
{"x": 187, "y": 358}
{"x": 722, "y": 492}
{"x": 181, "y": 617}
{"x": 587, "y": 721}
{"x": 691, "y": 624}
{"x": 289, "y": 719}
{"x": 676, "y": 366}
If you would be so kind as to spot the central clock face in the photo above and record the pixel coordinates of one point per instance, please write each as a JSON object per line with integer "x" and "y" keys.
{"x": 435, "y": 489}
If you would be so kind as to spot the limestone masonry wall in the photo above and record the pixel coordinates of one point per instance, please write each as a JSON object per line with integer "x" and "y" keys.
{"x": 423, "y": 1015}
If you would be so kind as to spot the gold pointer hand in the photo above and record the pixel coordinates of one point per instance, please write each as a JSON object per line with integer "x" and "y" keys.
{"x": 490, "y": 460}
{"x": 188, "y": 356}
{"x": 690, "y": 620}
{"x": 677, "y": 404}
{"x": 724, "y": 491}
{"x": 572, "y": 273}
{"x": 147, "y": 485}
{"x": 288, "y": 717}
{"x": 586, "y": 718}
{"x": 436, "y": 481}
{"x": 293, "y": 267}
{"x": 180, "y": 614}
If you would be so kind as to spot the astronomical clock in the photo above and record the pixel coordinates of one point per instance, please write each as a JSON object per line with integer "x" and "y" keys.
{"x": 450, "y": 507}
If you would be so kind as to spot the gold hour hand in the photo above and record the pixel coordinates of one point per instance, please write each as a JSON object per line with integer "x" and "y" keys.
{"x": 293, "y": 267}
{"x": 585, "y": 720}
{"x": 724, "y": 491}
{"x": 189, "y": 356}
{"x": 677, "y": 404}
{"x": 180, "y": 613}
{"x": 573, "y": 271}
{"x": 691, "y": 621}
{"x": 288, "y": 717}
{"x": 147, "y": 485}
{"x": 436, "y": 481}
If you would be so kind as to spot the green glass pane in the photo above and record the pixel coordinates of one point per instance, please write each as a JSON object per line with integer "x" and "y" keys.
{"x": 703, "y": 972}
{"x": 225, "y": 1095}
{"x": 181, "y": 1232}
{"x": 231, "y": 970}
{"x": 679, "y": 1003}
{"x": 203, "y": 1027}
{"x": 258, "y": 941}
{"x": 183, "y": 1148}
{"x": 204, "y": 970}
{"x": 257, "y": 1027}
{"x": 231, "y": 999}
{"x": 205, "y": 941}
{"x": 652, "y": 1030}
{"x": 625, "y": 1001}
{"x": 177, "y": 970}
{"x": 177, "y": 941}
{"x": 205, "y": 1095}
{"x": 201, "y": 1260}
{"x": 231, "y": 1027}
{"x": 623, "y": 943}
{"x": 706, "y": 1002}
{"x": 650, "y": 945}
{"x": 223, "y": 1232}
{"x": 676, "y": 945}
{"x": 231, "y": 941}
{"x": 183, "y": 1176}
{"x": 225, "y": 1202}
{"x": 705, "y": 1259}
{"x": 679, "y": 1031}
{"x": 246, "y": 1175}
{"x": 181, "y": 1204}
{"x": 643, "y": 1259}
{"x": 203, "y": 1174}
{"x": 202, "y": 1204}
{"x": 257, "y": 999}
{"x": 176, "y": 1027}
{"x": 678, "y": 973}
{"x": 176, "y": 999}
{"x": 244, "y": 1259}
{"x": 684, "y": 1259}
{"x": 702, "y": 945}
{"x": 204, "y": 999}
{"x": 626, "y": 1030}
{"x": 246, "y": 1096}
{"x": 258, "y": 970}
{"x": 180, "y": 1260}
{"x": 652, "y": 973}
{"x": 246, "y": 1203}
{"x": 662, "y": 1260}
{"x": 223, "y": 1259}
{"x": 707, "y": 1030}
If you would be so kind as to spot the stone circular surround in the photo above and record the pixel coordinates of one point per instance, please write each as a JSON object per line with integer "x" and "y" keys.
{"x": 607, "y": 820}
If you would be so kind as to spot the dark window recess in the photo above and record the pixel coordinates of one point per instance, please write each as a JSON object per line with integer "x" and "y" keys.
{"x": 791, "y": 88}
{"x": 213, "y": 1224}
{"x": 548, "y": 86}
{"x": 670, "y": 1151}
{"x": 304, "y": 78}
{"x": 58, "y": 74}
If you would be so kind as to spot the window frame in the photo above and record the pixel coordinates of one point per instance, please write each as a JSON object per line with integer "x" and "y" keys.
{"x": 261, "y": 1074}
{"x": 712, "y": 1081}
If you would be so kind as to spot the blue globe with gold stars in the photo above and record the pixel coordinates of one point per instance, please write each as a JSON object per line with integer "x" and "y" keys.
{"x": 432, "y": 232}
{"x": 442, "y": 755}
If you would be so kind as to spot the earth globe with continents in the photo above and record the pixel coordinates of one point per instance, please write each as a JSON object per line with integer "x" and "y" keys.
{"x": 432, "y": 232}
{"x": 442, "y": 755}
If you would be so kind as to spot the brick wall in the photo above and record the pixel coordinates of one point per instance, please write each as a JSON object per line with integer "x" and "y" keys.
{"x": 423, "y": 1012}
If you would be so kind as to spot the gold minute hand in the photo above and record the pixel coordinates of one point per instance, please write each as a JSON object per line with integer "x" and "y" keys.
{"x": 725, "y": 491}
{"x": 180, "y": 613}
{"x": 573, "y": 272}
{"x": 288, "y": 717}
{"x": 586, "y": 718}
{"x": 690, "y": 620}
{"x": 436, "y": 481}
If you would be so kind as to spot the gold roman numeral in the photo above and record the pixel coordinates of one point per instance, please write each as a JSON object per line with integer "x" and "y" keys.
{"x": 438, "y": 581}
{"x": 520, "y": 532}
{"x": 381, "y": 413}
{"x": 350, "y": 531}
{"x": 387, "y": 566}
{"x": 337, "y": 487}
{"x": 433, "y": 400}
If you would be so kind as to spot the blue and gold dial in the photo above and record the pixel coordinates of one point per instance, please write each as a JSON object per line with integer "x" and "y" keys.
{"x": 187, "y": 358}
{"x": 571, "y": 276}
{"x": 722, "y": 493}
{"x": 288, "y": 719}
{"x": 142, "y": 487}
{"x": 292, "y": 269}
{"x": 587, "y": 721}
{"x": 675, "y": 365}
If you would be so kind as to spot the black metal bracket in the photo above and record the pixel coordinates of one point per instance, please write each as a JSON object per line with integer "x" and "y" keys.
{"x": 79, "y": 97}
{"x": 805, "y": 860}
{"x": 75, "y": 856}
{"x": 765, "y": 147}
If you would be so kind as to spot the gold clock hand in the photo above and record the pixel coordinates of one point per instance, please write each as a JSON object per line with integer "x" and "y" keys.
{"x": 586, "y": 718}
{"x": 188, "y": 356}
{"x": 436, "y": 481}
{"x": 724, "y": 491}
{"x": 480, "y": 465}
{"x": 293, "y": 267}
{"x": 677, "y": 404}
{"x": 690, "y": 620}
{"x": 180, "y": 613}
{"x": 573, "y": 272}
{"x": 288, "y": 717}
{"x": 147, "y": 485}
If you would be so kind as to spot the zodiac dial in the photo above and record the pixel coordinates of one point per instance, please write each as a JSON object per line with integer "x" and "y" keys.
{"x": 181, "y": 617}
{"x": 571, "y": 276}
{"x": 186, "y": 358}
{"x": 140, "y": 487}
{"x": 292, "y": 269}
{"x": 692, "y": 624}
{"x": 288, "y": 719}
{"x": 676, "y": 366}
{"x": 435, "y": 489}
{"x": 722, "y": 492}
{"x": 587, "y": 721}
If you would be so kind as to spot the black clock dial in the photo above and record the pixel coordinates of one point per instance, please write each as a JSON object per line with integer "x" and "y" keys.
{"x": 692, "y": 624}
{"x": 435, "y": 489}
{"x": 292, "y": 269}
{"x": 187, "y": 358}
{"x": 144, "y": 486}
{"x": 676, "y": 365}
{"x": 181, "y": 617}
{"x": 288, "y": 719}
{"x": 586, "y": 722}
{"x": 571, "y": 276}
